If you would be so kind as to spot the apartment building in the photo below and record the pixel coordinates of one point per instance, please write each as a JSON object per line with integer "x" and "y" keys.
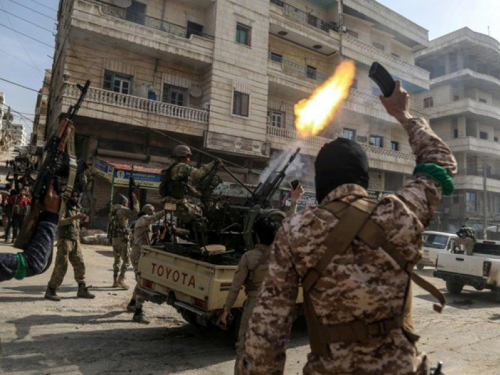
{"x": 38, "y": 136}
{"x": 6, "y": 129}
{"x": 463, "y": 105}
{"x": 18, "y": 135}
{"x": 223, "y": 76}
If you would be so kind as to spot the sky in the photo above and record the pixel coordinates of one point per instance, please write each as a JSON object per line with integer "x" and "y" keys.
{"x": 24, "y": 60}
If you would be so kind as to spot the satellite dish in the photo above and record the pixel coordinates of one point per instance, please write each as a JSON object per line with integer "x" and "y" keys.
{"x": 122, "y": 3}
{"x": 195, "y": 91}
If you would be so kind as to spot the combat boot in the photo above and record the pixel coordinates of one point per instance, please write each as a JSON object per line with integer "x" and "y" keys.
{"x": 115, "y": 283}
{"x": 50, "y": 293}
{"x": 121, "y": 282}
{"x": 139, "y": 317}
{"x": 83, "y": 292}
{"x": 131, "y": 305}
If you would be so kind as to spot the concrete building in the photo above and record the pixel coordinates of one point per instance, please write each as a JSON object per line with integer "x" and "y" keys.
{"x": 223, "y": 76}
{"x": 19, "y": 135}
{"x": 38, "y": 136}
{"x": 6, "y": 128}
{"x": 464, "y": 109}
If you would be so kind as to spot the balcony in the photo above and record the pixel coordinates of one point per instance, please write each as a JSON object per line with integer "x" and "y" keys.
{"x": 152, "y": 35}
{"x": 112, "y": 106}
{"x": 466, "y": 182}
{"x": 378, "y": 158}
{"x": 475, "y": 145}
{"x": 302, "y": 28}
{"x": 366, "y": 54}
{"x": 470, "y": 78}
{"x": 475, "y": 110}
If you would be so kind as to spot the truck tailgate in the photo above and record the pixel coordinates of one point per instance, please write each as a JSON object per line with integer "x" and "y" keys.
{"x": 461, "y": 263}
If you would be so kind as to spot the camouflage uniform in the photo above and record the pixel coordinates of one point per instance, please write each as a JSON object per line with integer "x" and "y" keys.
{"x": 359, "y": 284}
{"x": 181, "y": 173}
{"x": 120, "y": 237}
{"x": 68, "y": 247}
{"x": 467, "y": 242}
{"x": 142, "y": 236}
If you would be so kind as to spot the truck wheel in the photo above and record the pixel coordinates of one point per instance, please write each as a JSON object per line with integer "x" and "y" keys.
{"x": 190, "y": 318}
{"x": 454, "y": 287}
{"x": 420, "y": 267}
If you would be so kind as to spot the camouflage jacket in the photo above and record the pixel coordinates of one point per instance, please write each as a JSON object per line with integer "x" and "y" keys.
{"x": 143, "y": 230}
{"x": 67, "y": 229}
{"x": 467, "y": 243}
{"x": 119, "y": 217}
{"x": 244, "y": 275}
{"x": 360, "y": 284}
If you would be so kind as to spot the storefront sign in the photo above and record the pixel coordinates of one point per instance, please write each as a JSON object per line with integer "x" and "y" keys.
{"x": 238, "y": 145}
{"x": 103, "y": 169}
{"x": 142, "y": 179}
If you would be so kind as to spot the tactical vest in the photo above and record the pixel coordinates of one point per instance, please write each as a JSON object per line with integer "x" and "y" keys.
{"x": 354, "y": 222}
{"x": 170, "y": 187}
{"x": 115, "y": 230}
{"x": 72, "y": 230}
{"x": 257, "y": 275}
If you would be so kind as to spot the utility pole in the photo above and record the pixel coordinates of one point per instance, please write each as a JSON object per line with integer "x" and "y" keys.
{"x": 485, "y": 197}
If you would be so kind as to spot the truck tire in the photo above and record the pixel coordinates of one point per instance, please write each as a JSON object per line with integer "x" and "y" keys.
{"x": 420, "y": 267}
{"x": 454, "y": 287}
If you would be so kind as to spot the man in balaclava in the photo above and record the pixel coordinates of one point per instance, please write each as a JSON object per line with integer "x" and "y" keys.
{"x": 119, "y": 233}
{"x": 354, "y": 259}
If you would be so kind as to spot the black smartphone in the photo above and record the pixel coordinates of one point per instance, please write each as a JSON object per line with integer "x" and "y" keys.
{"x": 382, "y": 78}
{"x": 294, "y": 184}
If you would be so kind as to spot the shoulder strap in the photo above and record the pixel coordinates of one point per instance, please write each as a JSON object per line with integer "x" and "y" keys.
{"x": 351, "y": 217}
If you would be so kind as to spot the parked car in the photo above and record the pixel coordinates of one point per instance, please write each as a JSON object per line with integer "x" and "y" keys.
{"x": 433, "y": 244}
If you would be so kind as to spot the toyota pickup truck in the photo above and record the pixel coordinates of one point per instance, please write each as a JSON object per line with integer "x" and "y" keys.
{"x": 480, "y": 270}
{"x": 434, "y": 243}
{"x": 196, "y": 288}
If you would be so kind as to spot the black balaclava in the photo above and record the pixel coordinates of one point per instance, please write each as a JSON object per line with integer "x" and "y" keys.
{"x": 339, "y": 162}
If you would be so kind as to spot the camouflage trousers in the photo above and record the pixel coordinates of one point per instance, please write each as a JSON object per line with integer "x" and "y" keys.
{"x": 134, "y": 257}
{"x": 185, "y": 211}
{"x": 72, "y": 251}
{"x": 248, "y": 307}
{"x": 121, "y": 255}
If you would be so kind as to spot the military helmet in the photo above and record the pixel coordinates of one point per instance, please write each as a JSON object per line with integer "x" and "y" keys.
{"x": 148, "y": 209}
{"x": 181, "y": 151}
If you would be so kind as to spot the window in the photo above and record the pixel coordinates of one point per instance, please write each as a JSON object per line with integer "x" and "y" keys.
{"x": 354, "y": 83}
{"x": 117, "y": 82}
{"x": 349, "y": 133}
{"x": 175, "y": 95}
{"x": 380, "y": 46}
{"x": 240, "y": 103}
{"x": 483, "y": 135}
{"x": 394, "y": 146}
{"x": 194, "y": 28}
{"x": 276, "y": 57}
{"x": 456, "y": 98}
{"x": 428, "y": 102}
{"x": 276, "y": 118}
{"x": 455, "y": 133}
{"x": 243, "y": 33}
{"x": 470, "y": 201}
{"x": 453, "y": 58}
{"x": 495, "y": 139}
{"x": 481, "y": 100}
{"x": 311, "y": 72}
{"x": 353, "y": 33}
{"x": 136, "y": 13}
{"x": 376, "y": 140}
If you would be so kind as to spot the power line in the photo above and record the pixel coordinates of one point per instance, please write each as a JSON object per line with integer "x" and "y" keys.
{"x": 31, "y": 66}
{"x": 27, "y": 36}
{"x": 25, "y": 20}
{"x": 17, "y": 84}
{"x": 33, "y": 10}
{"x": 45, "y": 6}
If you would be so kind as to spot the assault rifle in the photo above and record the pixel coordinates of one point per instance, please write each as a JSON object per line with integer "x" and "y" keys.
{"x": 264, "y": 191}
{"x": 133, "y": 189}
{"x": 59, "y": 167}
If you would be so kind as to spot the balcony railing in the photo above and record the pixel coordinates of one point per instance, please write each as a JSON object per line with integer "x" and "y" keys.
{"x": 305, "y": 18}
{"x": 298, "y": 70}
{"x": 136, "y": 103}
{"x": 142, "y": 19}
{"x": 320, "y": 141}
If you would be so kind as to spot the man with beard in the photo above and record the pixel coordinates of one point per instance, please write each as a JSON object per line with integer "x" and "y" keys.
{"x": 68, "y": 247}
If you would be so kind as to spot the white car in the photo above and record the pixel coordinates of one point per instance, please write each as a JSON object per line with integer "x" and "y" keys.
{"x": 433, "y": 244}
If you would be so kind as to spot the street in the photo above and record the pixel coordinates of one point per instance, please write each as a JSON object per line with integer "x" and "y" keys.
{"x": 77, "y": 336}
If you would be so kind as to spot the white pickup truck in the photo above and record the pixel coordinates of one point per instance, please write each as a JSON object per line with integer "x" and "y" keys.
{"x": 480, "y": 270}
{"x": 434, "y": 243}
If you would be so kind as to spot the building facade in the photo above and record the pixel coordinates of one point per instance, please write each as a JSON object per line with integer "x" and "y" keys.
{"x": 38, "y": 136}
{"x": 463, "y": 105}
{"x": 6, "y": 127}
{"x": 223, "y": 76}
{"x": 19, "y": 135}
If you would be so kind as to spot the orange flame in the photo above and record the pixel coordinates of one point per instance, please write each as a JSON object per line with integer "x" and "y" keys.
{"x": 313, "y": 114}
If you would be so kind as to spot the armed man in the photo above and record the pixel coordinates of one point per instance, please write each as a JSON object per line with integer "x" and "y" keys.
{"x": 354, "y": 259}
{"x": 69, "y": 248}
{"x": 467, "y": 239}
{"x": 142, "y": 236}
{"x": 119, "y": 233}
{"x": 252, "y": 268}
{"x": 175, "y": 183}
